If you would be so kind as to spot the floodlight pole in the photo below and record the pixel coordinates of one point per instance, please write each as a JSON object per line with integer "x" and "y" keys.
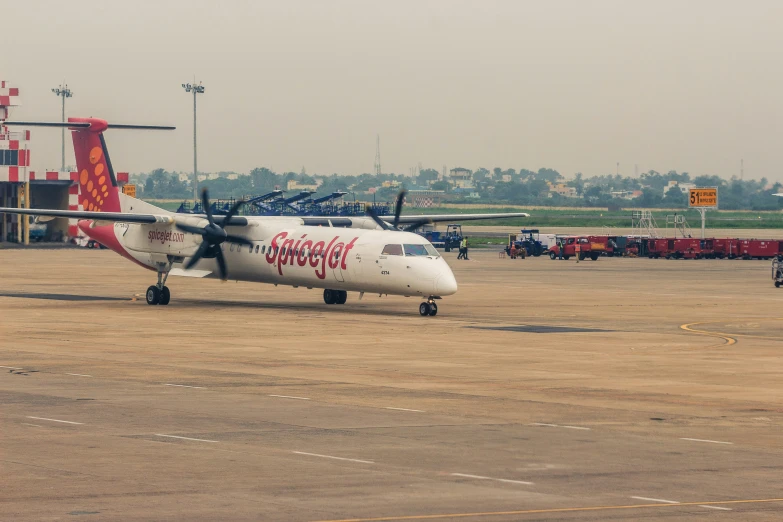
{"x": 63, "y": 92}
{"x": 195, "y": 89}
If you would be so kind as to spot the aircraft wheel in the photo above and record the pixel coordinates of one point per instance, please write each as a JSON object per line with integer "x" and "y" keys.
{"x": 777, "y": 284}
{"x": 153, "y": 295}
{"x": 342, "y": 297}
{"x": 433, "y": 309}
{"x": 330, "y": 296}
{"x": 424, "y": 309}
{"x": 165, "y": 296}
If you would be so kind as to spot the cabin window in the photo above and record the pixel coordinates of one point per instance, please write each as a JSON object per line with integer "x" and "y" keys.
{"x": 392, "y": 250}
{"x": 231, "y": 248}
{"x": 256, "y": 249}
{"x": 263, "y": 249}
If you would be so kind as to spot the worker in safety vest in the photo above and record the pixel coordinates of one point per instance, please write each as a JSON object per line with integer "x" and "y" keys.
{"x": 463, "y": 251}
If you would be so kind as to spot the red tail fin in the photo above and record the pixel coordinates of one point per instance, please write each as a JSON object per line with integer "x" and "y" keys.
{"x": 98, "y": 185}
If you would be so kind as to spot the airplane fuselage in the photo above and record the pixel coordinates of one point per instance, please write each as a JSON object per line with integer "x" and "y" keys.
{"x": 283, "y": 252}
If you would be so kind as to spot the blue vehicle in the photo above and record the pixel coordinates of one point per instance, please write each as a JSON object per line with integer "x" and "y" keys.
{"x": 453, "y": 237}
{"x": 529, "y": 240}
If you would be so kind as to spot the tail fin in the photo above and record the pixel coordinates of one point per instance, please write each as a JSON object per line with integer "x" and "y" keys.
{"x": 98, "y": 186}
{"x": 99, "y": 191}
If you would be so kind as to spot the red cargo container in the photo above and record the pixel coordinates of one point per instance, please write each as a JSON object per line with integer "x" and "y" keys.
{"x": 691, "y": 248}
{"x": 759, "y": 248}
{"x": 659, "y": 248}
{"x": 726, "y": 248}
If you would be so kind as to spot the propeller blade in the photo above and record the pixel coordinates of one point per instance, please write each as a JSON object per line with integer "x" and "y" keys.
{"x": 238, "y": 240}
{"x": 381, "y": 223}
{"x": 189, "y": 229}
{"x": 398, "y": 207}
{"x": 205, "y": 205}
{"x": 221, "y": 261}
{"x": 202, "y": 249}
{"x": 233, "y": 211}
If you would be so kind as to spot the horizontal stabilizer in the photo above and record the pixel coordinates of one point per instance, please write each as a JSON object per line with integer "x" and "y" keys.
{"x": 84, "y": 125}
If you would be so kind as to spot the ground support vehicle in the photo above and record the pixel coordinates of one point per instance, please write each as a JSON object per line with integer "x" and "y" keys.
{"x": 726, "y": 248}
{"x": 528, "y": 241}
{"x": 577, "y": 246}
{"x": 760, "y": 248}
{"x": 777, "y": 270}
{"x": 452, "y": 238}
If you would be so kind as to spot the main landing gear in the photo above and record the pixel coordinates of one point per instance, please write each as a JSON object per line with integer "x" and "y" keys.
{"x": 335, "y": 296}
{"x": 159, "y": 294}
{"x": 429, "y": 307}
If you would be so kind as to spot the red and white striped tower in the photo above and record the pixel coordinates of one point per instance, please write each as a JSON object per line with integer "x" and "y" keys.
{"x": 14, "y": 160}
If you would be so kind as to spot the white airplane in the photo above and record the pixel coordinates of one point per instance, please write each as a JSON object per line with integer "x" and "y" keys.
{"x": 361, "y": 254}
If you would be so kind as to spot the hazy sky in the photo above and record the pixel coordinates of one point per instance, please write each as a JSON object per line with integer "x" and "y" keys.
{"x": 572, "y": 85}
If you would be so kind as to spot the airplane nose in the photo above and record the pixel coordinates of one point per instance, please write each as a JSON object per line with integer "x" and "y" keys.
{"x": 445, "y": 284}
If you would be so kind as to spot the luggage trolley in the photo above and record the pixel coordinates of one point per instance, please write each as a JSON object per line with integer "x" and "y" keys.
{"x": 777, "y": 270}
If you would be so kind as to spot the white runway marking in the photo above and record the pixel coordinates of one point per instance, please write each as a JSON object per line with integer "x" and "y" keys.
{"x": 559, "y": 426}
{"x": 291, "y": 397}
{"x": 656, "y": 500}
{"x": 479, "y": 477}
{"x": 404, "y": 409}
{"x": 36, "y": 425}
{"x": 54, "y": 420}
{"x": 78, "y": 375}
{"x": 716, "y": 507}
{"x": 185, "y": 386}
{"x": 11, "y": 367}
{"x": 332, "y": 457}
{"x": 184, "y": 438}
{"x": 706, "y": 440}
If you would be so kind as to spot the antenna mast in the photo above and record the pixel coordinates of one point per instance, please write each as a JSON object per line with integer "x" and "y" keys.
{"x": 377, "y": 155}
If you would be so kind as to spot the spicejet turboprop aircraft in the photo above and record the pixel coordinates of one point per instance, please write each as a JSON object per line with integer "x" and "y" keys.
{"x": 364, "y": 254}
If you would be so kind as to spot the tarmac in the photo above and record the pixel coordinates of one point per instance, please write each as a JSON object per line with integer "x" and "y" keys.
{"x": 620, "y": 389}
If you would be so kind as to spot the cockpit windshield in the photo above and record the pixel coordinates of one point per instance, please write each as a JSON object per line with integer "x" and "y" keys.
{"x": 420, "y": 250}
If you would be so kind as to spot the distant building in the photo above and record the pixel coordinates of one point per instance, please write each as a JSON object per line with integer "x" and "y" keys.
{"x": 626, "y": 194}
{"x": 461, "y": 178}
{"x": 294, "y": 185}
{"x": 562, "y": 190}
{"x": 391, "y": 184}
{"x": 684, "y": 187}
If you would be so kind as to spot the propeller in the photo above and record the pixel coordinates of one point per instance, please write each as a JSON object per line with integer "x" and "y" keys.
{"x": 213, "y": 236}
{"x": 397, "y": 212}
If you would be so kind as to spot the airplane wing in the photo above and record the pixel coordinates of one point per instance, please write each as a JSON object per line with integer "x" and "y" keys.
{"x": 455, "y": 218}
{"x": 116, "y": 217}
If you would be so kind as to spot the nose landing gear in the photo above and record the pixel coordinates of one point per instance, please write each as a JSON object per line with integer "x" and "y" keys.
{"x": 429, "y": 307}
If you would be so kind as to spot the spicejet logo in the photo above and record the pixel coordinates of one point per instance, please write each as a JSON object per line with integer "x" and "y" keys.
{"x": 303, "y": 251}
{"x": 168, "y": 235}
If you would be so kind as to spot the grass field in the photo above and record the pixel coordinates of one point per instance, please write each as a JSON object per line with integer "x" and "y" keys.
{"x": 588, "y": 217}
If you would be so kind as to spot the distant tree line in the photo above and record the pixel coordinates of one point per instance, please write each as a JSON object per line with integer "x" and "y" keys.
{"x": 509, "y": 186}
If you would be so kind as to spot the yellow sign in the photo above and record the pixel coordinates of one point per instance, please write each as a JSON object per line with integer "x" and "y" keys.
{"x": 129, "y": 190}
{"x": 703, "y": 197}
